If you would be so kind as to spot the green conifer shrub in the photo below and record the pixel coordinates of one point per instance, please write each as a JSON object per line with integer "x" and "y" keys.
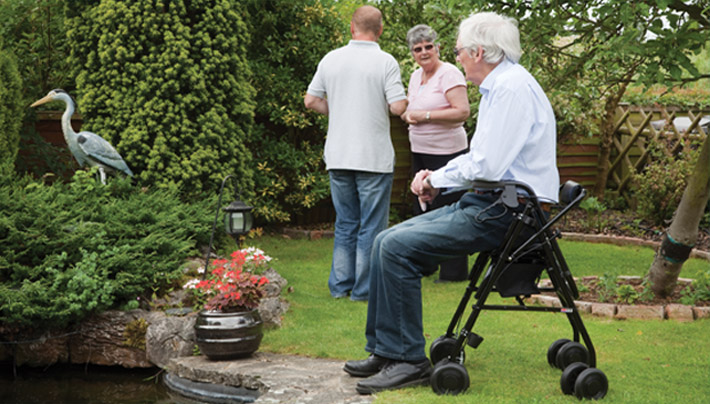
{"x": 70, "y": 250}
{"x": 167, "y": 83}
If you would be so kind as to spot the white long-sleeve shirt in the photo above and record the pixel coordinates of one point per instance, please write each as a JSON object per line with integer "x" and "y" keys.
{"x": 515, "y": 138}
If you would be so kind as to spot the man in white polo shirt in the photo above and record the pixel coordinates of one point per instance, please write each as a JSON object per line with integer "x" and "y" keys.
{"x": 357, "y": 86}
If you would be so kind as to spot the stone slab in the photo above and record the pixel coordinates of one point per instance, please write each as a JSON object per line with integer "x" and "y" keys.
{"x": 679, "y": 312}
{"x": 280, "y": 378}
{"x": 701, "y": 312}
{"x": 603, "y": 309}
{"x": 640, "y": 311}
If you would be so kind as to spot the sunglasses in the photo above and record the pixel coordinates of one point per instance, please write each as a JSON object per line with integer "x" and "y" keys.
{"x": 419, "y": 48}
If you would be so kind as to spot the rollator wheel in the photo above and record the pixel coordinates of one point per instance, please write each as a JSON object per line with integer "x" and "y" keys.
{"x": 571, "y": 352}
{"x": 552, "y": 351}
{"x": 442, "y": 348}
{"x": 569, "y": 376}
{"x": 449, "y": 378}
{"x": 591, "y": 383}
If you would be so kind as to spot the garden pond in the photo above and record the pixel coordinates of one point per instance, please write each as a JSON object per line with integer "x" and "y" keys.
{"x": 63, "y": 384}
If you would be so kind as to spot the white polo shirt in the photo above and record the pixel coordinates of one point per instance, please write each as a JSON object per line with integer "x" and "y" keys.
{"x": 359, "y": 81}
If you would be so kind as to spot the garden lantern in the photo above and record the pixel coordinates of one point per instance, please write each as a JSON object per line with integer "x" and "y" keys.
{"x": 237, "y": 220}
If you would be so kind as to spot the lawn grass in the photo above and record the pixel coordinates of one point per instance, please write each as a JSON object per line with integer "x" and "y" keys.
{"x": 645, "y": 361}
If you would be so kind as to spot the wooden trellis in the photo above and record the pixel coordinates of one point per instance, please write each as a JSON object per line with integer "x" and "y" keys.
{"x": 634, "y": 133}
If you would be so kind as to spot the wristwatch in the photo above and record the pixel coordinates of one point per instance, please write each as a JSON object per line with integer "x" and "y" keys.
{"x": 428, "y": 115}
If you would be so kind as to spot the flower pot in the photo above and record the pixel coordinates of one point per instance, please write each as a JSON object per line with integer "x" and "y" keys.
{"x": 228, "y": 335}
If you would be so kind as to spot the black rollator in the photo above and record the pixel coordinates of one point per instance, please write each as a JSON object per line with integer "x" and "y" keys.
{"x": 513, "y": 270}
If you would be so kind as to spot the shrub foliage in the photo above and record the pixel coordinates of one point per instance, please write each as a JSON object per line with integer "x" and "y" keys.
{"x": 659, "y": 187}
{"x": 10, "y": 110}
{"x": 167, "y": 83}
{"x": 73, "y": 249}
{"x": 289, "y": 37}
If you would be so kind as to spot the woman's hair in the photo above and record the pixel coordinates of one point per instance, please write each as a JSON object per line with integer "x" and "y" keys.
{"x": 496, "y": 34}
{"x": 420, "y": 33}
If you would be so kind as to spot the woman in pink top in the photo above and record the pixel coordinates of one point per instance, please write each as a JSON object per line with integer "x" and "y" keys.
{"x": 438, "y": 106}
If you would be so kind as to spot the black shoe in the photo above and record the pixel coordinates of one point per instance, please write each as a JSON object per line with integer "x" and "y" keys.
{"x": 396, "y": 375}
{"x": 366, "y": 367}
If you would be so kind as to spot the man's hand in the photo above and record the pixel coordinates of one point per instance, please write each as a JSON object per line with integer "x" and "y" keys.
{"x": 422, "y": 188}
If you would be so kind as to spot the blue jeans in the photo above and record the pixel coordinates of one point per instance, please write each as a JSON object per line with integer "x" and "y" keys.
{"x": 362, "y": 203}
{"x": 404, "y": 253}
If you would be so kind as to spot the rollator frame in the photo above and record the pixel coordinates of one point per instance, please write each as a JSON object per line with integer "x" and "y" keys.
{"x": 578, "y": 362}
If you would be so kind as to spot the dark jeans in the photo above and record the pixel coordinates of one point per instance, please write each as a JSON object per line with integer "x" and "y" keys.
{"x": 455, "y": 269}
{"x": 402, "y": 254}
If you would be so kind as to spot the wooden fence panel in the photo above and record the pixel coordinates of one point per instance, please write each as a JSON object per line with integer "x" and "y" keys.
{"x": 637, "y": 128}
{"x": 577, "y": 161}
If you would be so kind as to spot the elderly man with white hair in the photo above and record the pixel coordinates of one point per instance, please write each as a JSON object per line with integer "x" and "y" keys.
{"x": 515, "y": 139}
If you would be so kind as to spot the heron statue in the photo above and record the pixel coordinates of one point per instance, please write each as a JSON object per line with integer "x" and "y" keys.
{"x": 86, "y": 147}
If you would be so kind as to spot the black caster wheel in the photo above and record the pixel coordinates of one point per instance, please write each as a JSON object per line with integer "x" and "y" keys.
{"x": 552, "y": 351}
{"x": 449, "y": 378}
{"x": 442, "y": 348}
{"x": 591, "y": 384}
{"x": 569, "y": 376}
{"x": 571, "y": 352}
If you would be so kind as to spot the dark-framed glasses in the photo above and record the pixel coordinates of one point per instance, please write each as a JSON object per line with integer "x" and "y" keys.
{"x": 458, "y": 50}
{"x": 419, "y": 48}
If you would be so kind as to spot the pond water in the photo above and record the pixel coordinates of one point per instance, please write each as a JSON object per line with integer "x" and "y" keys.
{"x": 63, "y": 384}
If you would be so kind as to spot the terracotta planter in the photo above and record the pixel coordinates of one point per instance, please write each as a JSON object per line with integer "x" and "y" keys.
{"x": 228, "y": 335}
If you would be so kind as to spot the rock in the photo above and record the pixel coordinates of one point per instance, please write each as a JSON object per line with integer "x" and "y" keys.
{"x": 583, "y": 307}
{"x": 679, "y": 312}
{"x": 101, "y": 341}
{"x": 701, "y": 312}
{"x": 45, "y": 350}
{"x": 276, "y": 283}
{"x": 639, "y": 311}
{"x": 169, "y": 337}
{"x": 603, "y": 309}
{"x": 271, "y": 309}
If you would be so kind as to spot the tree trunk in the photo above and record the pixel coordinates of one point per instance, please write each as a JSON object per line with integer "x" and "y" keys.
{"x": 683, "y": 231}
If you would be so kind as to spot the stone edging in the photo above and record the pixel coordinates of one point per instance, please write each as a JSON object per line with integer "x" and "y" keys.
{"x": 678, "y": 312}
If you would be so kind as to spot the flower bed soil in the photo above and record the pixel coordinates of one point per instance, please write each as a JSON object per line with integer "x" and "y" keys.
{"x": 622, "y": 224}
{"x": 592, "y": 290}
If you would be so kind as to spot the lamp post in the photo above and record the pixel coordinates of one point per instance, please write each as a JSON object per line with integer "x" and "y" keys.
{"x": 237, "y": 220}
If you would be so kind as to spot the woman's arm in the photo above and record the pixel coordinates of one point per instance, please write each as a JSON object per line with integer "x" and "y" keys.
{"x": 455, "y": 114}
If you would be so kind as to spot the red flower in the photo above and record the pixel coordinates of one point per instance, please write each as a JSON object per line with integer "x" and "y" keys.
{"x": 231, "y": 285}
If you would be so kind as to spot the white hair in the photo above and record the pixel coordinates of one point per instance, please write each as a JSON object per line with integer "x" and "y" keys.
{"x": 496, "y": 34}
